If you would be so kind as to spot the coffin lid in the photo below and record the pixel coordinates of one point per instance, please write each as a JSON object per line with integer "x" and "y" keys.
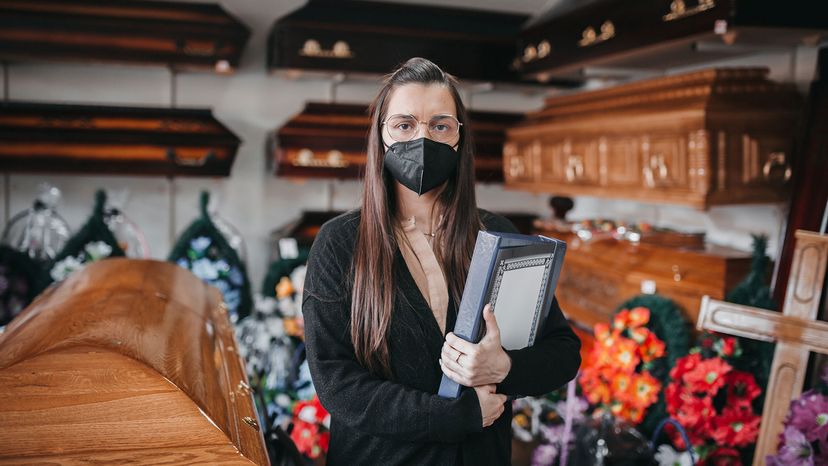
{"x": 328, "y": 140}
{"x": 619, "y": 39}
{"x": 470, "y": 44}
{"x": 177, "y": 34}
{"x": 149, "y": 311}
{"x": 708, "y": 89}
{"x": 60, "y": 138}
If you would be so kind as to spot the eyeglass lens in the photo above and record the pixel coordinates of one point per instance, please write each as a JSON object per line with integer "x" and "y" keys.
{"x": 441, "y": 128}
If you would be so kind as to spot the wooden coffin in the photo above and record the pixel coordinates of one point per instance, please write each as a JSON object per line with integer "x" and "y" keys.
{"x": 127, "y": 361}
{"x": 706, "y": 138}
{"x": 599, "y": 275}
{"x": 175, "y": 34}
{"x": 618, "y": 39}
{"x": 376, "y": 37}
{"x": 56, "y": 138}
{"x": 328, "y": 141}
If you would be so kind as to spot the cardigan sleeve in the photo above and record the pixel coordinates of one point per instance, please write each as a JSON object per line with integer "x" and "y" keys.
{"x": 353, "y": 395}
{"x": 555, "y": 357}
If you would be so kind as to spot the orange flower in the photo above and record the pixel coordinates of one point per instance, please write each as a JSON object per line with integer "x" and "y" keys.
{"x": 652, "y": 348}
{"x": 626, "y": 355}
{"x": 639, "y": 317}
{"x": 601, "y": 331}
{"x": 644, "y": 390}
{"x": 621, "y": 320}
{"x": 639, "y": 335}
{"x": 622, "y": 386}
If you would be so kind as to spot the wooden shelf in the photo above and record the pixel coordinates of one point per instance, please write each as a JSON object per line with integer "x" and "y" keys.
{"x": 52, "y": 138}
{"x": 197, "y": 36}
{"x": 329, "y": 140}
{"x": 616, "y": 39}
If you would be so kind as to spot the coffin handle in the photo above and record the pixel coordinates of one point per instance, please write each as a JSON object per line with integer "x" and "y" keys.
{"x": 777, "y": 159}
{"x": 190, "y": 162}
{"x": 679, "y": 10}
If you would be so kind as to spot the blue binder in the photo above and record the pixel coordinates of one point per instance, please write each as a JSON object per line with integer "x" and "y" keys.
{"x": 518, "y": 275}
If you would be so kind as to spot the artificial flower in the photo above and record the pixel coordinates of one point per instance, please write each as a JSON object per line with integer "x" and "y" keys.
{"x": 735, "y": 427}
{"x": 708, "y": 375}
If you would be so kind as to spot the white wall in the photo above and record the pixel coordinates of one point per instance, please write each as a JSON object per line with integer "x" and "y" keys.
{"x": 251, "y": 102}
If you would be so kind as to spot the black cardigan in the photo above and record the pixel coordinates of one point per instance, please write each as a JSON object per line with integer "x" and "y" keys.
{"x": 403, "y": 421}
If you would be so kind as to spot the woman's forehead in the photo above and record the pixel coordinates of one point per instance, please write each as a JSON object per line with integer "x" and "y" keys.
{"x": 421, "y": 100}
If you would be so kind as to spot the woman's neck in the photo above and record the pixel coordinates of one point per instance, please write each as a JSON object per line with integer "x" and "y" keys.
{"x": 423, "y": 208}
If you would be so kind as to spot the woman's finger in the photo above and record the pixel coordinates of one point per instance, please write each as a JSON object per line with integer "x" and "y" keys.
{"x": 454, "y": 375}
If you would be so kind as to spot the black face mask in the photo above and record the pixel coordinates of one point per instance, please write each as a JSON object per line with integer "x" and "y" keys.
{"x": 421, "y": 164}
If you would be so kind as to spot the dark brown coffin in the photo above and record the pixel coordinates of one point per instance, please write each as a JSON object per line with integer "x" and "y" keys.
{"x": 179, "y": 35}
{"x": 329, "y": 140}
{"x": 56, "y": 138}
{"x": 614, "y": 38}
{"x": 376, "y": 37}
{"x": 127, "y": 361}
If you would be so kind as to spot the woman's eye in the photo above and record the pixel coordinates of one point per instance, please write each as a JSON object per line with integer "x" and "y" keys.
{"x": 403, "y": 126}
{"x": 440, "y": 128}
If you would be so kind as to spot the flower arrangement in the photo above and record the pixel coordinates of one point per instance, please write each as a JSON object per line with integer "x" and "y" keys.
{"x": 714, "y": 401}
{"x": 91, "y": 252}
{"x": 203, "y": 258}
{"x": 310, "y": 428}
{"x": 804, "y": 441}
{"x": 616, "y": 375}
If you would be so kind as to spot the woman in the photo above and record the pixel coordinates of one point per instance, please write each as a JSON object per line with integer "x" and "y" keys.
{"x": 382, "y": 289}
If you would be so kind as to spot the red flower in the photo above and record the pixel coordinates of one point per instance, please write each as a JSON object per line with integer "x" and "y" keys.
{"x": 722, "y": 457}
{"x": 727, "y": 347}
{"x": 695, "y": 413}
{"x": 684, "y": 365}
{"x": 741, "y": 389}
{"x": 735, "y": 427}
{"x": 304, "y": 435}
{"x": 708, "y": 376}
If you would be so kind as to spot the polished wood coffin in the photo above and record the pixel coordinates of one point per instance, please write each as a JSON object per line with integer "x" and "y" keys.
{"x": 701, "y": 139}
{"x": 57, "y": 138}
{"x": 376, "y": 37}
{"x": 600, "y": 274}
{"x": 579, "y": 39}
{"x": 329, "y": 140}
{"x": 127, "y": 361}
{"x": 175, "y": 34}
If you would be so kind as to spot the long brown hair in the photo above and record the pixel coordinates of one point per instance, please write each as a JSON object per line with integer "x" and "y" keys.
{"x": 373, "y": 272}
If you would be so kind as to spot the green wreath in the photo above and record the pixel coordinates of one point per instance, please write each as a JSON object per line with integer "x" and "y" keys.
{"x": 202, "y": 244}
{"x": 95, "y": 231}
{"x": 21, "y": 279}
{"x": 670, "y": 326}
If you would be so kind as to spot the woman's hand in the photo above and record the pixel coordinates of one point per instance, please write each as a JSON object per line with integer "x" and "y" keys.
{"x": 491, "y": 404}
{"x": 472, "y": 364}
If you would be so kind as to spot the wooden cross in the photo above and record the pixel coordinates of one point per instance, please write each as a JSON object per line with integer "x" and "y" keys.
{"x": 795, "y": 331}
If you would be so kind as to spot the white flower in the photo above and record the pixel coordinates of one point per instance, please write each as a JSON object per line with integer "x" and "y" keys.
{"x": 98, "y": 250}
{"x": 308, "y": 414}
{"x": 666, "y": 456}
{"x": 204, "y": 269}
{"x": 222, "y": 265}
{"x": 201, "y": 243}
{"x": 64, "y": 268}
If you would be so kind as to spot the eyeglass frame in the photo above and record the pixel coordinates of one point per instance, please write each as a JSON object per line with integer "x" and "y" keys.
{"x": 428, "y": 131}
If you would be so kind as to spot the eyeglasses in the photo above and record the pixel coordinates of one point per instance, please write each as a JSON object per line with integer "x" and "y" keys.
{"x": 441, "y": 128}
